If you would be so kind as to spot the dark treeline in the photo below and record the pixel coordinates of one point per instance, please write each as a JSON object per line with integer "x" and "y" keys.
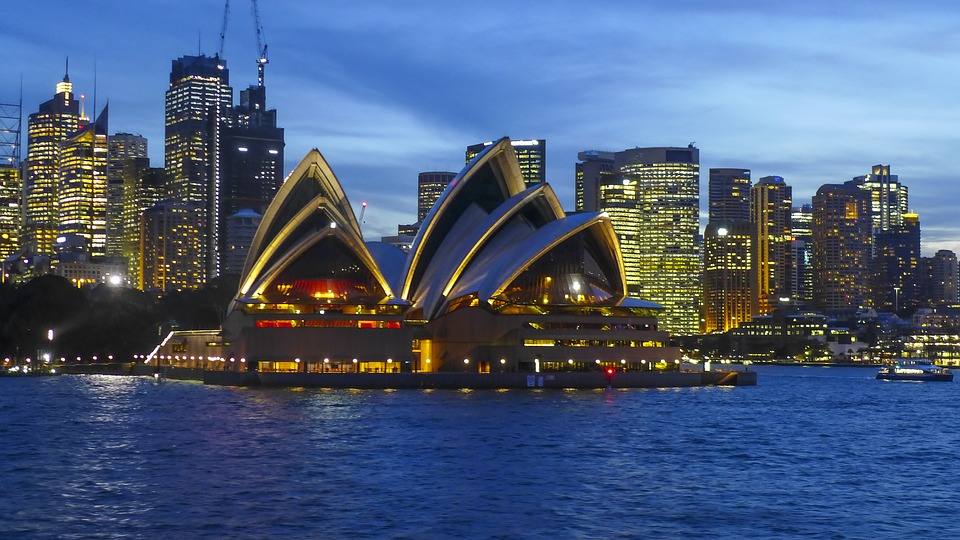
{"x": 101, "y": 320}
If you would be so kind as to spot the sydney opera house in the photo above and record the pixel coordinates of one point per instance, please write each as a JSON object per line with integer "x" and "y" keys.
{"x": 498, "y": 278}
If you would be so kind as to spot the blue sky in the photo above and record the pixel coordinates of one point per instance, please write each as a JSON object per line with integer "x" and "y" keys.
{"x": 815, "y": 92}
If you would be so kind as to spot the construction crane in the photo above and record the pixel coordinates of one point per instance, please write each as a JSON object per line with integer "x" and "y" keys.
{"x": 223, "y": 26}
{"x": 262, "y": 60}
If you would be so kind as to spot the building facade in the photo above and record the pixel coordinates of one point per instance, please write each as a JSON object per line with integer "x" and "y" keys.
{"x": 143, "y": 187}
{"x": 889, "y": 199}
{"x": 11, "y": 190}
{"x": 939, "y": 279}
{"x": 842, "y": 248}
{"x": 801, "y": 259}
{"x": 531, "y": 154}
{"x": 898, "y": 265}
{"x": 430, "y": 186}
{"x": 239, "y": 230}
{"x": 122, "y": 147}
{"x": 591, "y": 167}
{"x": 771, "y": 204}
{"x": 727, "y": 275}
{"x": 47, "y": 129}
{"x": 170, "y": 242}
{"x": 729, "y": 191}
{"x": 82, "y": 193}
{"x": 251, "y": 164}
{"x": 198, "y": 103}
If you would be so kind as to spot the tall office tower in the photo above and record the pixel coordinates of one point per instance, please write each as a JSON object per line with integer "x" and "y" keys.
{"x": 82, "y": 193}
{"x": 11, "y": 189}
{"x": 842, "y": 248}
{"x": 170, "y": 240}
{"x": 898, "y": 265}
{"x": 198, "y": 103}
{"x": 143, "y": 187}
{"x": 121, "y": 148}
{"x": 239, "y": 230}
{"x": 430, "y": 186}
{"x": 939, "y": 279}
{"x": 654, "y": 204}
{"x": 727, "y": 275}
{"x": 589, "y": 170}
{"x": 889, "y": 199}
{"x": 532, "y": 155}
{"x": 801, "y": 259}
{"x": 251, "y": 163}
{"x": 729, "y": 195}
{"x": 771, "y": 202}
{"x": 47, "y": 129}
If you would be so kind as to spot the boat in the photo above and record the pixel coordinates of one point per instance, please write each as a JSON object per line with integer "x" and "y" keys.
{"x": 915, "y": 370}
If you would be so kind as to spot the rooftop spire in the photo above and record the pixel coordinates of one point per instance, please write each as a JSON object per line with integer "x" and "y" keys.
{"x": 66, "y": 71}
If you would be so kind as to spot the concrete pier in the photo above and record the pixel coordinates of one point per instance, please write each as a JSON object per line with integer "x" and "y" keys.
{"x": 453, "y": 380}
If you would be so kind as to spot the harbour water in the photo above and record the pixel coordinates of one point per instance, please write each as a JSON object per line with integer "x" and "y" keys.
{"x": 810, "y": 452}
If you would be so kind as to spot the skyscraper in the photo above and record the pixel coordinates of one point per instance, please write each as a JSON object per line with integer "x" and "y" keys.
{"x": 170, "y": 242}
{"x": 801, "y": 259}
{"x": 842, "y": 247}
{"x": 654, "y": 202}
{"x": 729, "y": 195}
{"x": 727, "y": 275}
{"x": 82, "y": 193}
{"x": 939, "y": 278}
{"x": 122, "y": 147}
{"x": 430, "y": 186}
{"x": 898, "y": 265}
{"x": 532, "y": 155}
{"x": 143, "y": 187}
{"x": 888, "y": 197}
{"x": 198, "y": 102}
{"x": 771, "y": 202}
{"x": 589, "y": 171}
{"x": 252, "y": 162}
{"x": 239, "y": 230}
{"x": 47, "y": 129}
{"x": 11, "y": 189}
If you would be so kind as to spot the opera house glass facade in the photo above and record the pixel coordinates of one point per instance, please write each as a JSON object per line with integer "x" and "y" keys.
{"x": 498, "y": 278}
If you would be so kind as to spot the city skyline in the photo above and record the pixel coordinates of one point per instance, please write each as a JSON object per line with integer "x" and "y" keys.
{"x": 760, "y": 99}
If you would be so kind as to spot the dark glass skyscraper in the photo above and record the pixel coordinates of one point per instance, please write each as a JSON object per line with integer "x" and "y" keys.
{"x": 251, "y": 163}
{"x": 940, "y": 279}
{"x": 801, "y": 259}
{"x": 198, "y": 103}
{"x": 590, "y": 170}
{"x": 729, "y": 195}
{"x": 898, "y": 265}
{"x": 122, "y": 147}
{"x": 532, "y": 155}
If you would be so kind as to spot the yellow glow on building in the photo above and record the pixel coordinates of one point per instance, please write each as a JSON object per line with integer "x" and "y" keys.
{"x": 10, "y": 193}
{"x": 771, "y": 205}
{"x": 727, "y": 275}
{"x": 82, "y": 193}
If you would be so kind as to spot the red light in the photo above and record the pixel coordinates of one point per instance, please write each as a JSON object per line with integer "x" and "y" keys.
{"x": 609, "y": 371}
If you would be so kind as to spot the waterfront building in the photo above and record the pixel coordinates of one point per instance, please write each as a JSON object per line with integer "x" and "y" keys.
{"x": 889, "y": 199}
{"x": 83, "y": 271}
{"x": 727, "y": 275}
{"x": 121, "y": 147}
{"x": 143, "y": 186}
{"x": 771, "y": 204}
{"x": 939, "y": 279}
{"x": 898, "y": 265}
{"x": 430, "y": 186}
{"x": 842, "y": 248}
{"x": 801, "y": 257}
{"x": 82, "y": 192}
{"x": 531, "y": 155}
{"x": 498, "y": 279}
{"x": 589, "y": 172}
{"x": 239, "y": 231}
{"x": 729, "y": 191}
{"x": 171, "y": 239}
{"x": 55, "y": 121}
{"x": 11, "y": 189}
{"x": 251, "y": 165}
{"x": 198, "y": 103}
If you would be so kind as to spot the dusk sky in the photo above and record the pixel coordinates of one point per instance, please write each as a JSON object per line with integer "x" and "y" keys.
{"x": 816, "y": 92}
